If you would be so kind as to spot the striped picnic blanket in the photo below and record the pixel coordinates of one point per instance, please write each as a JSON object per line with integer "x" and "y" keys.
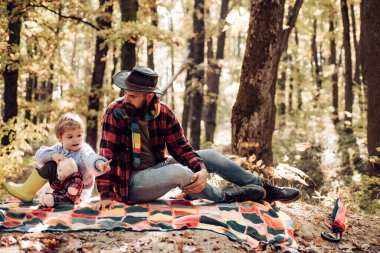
{"x": 251, "y": 223}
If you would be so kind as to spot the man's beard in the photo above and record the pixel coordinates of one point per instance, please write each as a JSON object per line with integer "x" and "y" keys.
{"x": 132, "y": 111}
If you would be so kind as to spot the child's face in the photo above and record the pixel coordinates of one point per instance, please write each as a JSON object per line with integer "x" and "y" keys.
{"x": 72, "y": 139}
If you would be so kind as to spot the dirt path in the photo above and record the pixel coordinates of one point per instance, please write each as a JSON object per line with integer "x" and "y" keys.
{"x": 363, "y": 235}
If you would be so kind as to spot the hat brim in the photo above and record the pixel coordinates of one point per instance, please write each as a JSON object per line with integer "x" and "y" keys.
{"x": 119, "y": 80}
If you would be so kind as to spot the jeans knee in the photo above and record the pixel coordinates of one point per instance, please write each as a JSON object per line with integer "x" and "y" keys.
{"x": 209, "y": 153}
{"x": 181, "y": 175}
{"x": 180, "y": 171}
{"x": 211, "y": 158}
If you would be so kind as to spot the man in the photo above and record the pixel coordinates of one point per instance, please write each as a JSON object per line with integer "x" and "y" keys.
{"x": 136, "y": 132}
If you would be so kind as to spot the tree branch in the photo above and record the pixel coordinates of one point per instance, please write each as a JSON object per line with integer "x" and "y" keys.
{"x": 292, "y": 18}
{"x": 174, "y": 77}
{"x": 79, "y": 19}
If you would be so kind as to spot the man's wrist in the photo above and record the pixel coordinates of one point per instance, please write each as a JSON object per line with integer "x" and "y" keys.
{"x": 204, "y": 169}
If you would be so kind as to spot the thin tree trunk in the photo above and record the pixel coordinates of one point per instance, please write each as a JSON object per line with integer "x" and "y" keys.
{"x": 282, "y": 86}
{"x": 316, "y": 60}
{"x": 334, "y": 77}
{"x": 357, "y": 73}
{"x": 297, "y": 72}
{"x": 104, "y": 22}
{"x": 48, "y": 84}
{"x": 32, "y": 78}
{"x": 197, "y": 79}
{"x": 10, "y": 73}
{"x": 357, "y": 48}
{"x": 370, "y": 34}
{"x": 29, "y": 92}
{"x": 154, "y": 21}
{"x": 291, "y": 81}
{"x": 188, "y": 89}
{"x": 171, "y": 88}
{"x": 35, "y": 98}
{"x": 291, "y": 22}
{"x": 114, "y": 61}
{"x": 348, "y": 67}
{"x": 253, "y": 114}
{"x": 213, "y": 75}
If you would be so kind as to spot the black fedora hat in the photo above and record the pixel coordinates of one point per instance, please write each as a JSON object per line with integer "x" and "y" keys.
{"x": 140, "y": 78}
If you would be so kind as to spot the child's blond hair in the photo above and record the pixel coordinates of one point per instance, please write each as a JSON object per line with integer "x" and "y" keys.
{"x": 68, "y": 121}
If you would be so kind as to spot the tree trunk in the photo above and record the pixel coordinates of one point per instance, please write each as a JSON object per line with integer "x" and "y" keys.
{"x": 370, "y": 34}
{"x": 10, "y": 73}
{"x": 213, "y": 75}
{"x": 334, "y": 77}
{"x": 357, "y": 73}
{"x": 297, "y": 73}
{"x": 291, "y": 21}
{"x": 35, "y": 97}
{"x": 29, "y": 93}
{"x": 150, "y": 45}
{"x": 188, "y": 90}
{"x": 114, "y": 61}
{"x": 291, "y": 81}
{"x": 282, "y": 86}
{"x": 357, "y": 48}
{"x": 317, "y": 65}
{"x": 32, "y": 79}
{"x": 197, "y": 79}
{"x": 128, "y": 10}
{"x": 104, "y": 22}
{"x": 348, "y": 67}
{"x": 172, "y": 67}
{"x": 48, "y": 85}
{"x": 253, "y": 114}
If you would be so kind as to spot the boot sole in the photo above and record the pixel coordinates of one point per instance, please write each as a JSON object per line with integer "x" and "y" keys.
{"x": 15, "y": 195}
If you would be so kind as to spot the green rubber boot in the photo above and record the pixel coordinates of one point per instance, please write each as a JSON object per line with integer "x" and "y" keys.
{"x": 28, "y": 189}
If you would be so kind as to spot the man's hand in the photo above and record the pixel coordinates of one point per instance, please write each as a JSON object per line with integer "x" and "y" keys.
{"x": 198, "y": 182}
{"x": 57, "y": 157}
{"x": 104, "y": 166}
{"x": 103, "y": 204}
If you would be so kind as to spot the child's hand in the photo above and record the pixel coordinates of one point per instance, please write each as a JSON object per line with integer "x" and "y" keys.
{"x": 104, "y": 166}
{"x": 57, "y": 157}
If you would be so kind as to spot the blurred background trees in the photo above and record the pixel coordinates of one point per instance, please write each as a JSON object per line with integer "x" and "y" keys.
{"x": 293, "y": 81}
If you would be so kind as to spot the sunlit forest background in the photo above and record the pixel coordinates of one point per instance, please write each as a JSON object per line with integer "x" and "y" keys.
{"x": 59, "y": 56}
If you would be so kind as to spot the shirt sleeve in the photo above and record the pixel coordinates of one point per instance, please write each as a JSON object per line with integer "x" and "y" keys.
{"x": 44, "y": 153}
{"x": 179, "y": 147}
{"x": 90, "y": 159}
{"x": 108, "y": 148}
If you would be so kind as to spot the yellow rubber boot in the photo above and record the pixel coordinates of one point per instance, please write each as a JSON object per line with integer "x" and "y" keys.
{"x": 28, "y": 189}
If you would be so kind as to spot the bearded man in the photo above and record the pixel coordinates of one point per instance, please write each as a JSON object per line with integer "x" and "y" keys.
{"x": 138, "y": 133}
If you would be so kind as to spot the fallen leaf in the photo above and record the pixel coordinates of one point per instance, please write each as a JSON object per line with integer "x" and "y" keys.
{"x": 302, "y": 146}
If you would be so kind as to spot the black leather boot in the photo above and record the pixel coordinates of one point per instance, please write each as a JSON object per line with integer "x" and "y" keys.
{"x": 245, "y": 193}
{"x": 283, "y": 194}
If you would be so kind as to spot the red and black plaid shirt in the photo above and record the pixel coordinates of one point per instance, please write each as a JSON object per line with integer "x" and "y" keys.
{"x": 116, "y": 143}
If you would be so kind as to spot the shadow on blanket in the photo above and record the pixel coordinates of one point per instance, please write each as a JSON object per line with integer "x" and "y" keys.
{"x": 254, "y": 224}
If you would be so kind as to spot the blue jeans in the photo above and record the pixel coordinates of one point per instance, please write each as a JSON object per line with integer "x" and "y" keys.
{"x": 154, "y": 182}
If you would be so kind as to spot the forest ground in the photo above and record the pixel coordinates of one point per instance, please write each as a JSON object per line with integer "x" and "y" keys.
{"x": 362, "y": 235}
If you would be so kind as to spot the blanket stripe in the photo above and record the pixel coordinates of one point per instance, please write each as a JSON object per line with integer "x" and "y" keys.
{"x": 250, "y": 223}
